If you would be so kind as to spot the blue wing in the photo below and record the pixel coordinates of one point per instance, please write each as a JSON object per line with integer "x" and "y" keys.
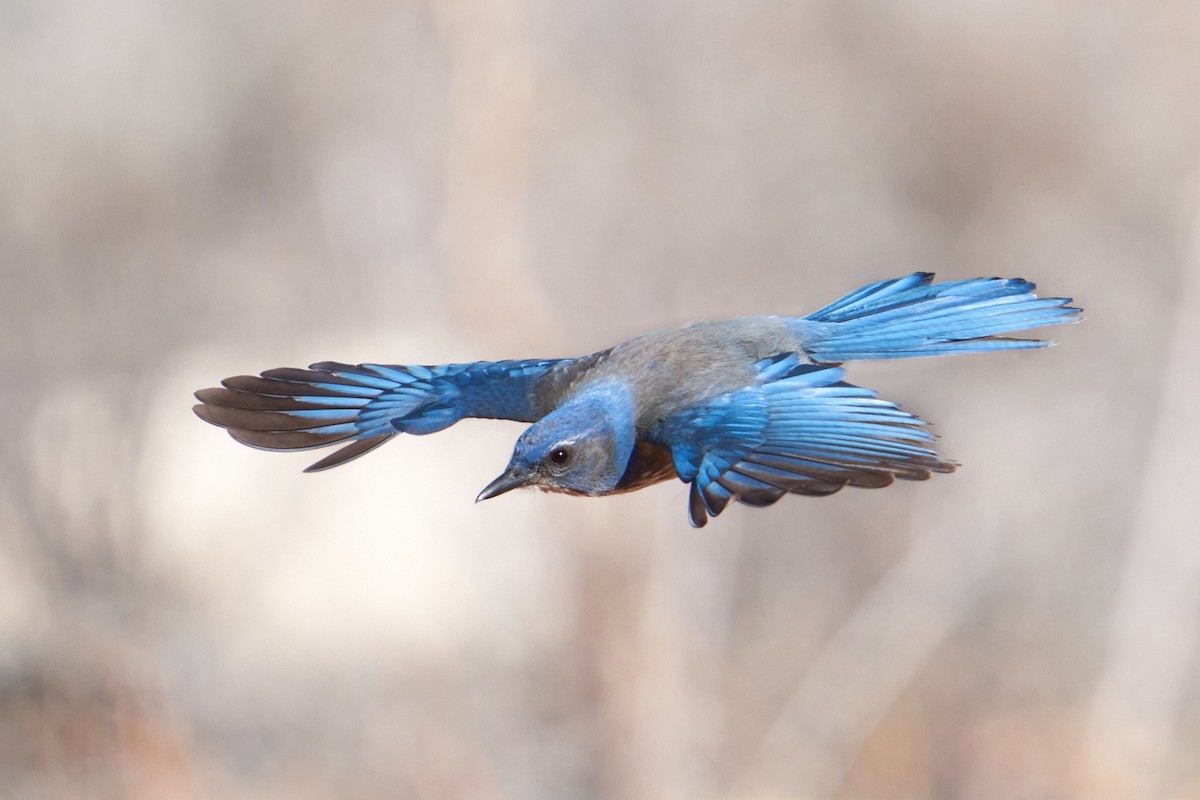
{"x": 364, "y": 405}
{"x": 800, "y": 429}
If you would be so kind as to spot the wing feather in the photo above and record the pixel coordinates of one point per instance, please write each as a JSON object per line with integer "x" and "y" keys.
{"x": 364, "y": 405}
{"x": 804, "y": 431}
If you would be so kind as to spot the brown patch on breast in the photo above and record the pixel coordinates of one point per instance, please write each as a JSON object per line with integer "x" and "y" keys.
{"x": 648, "y": 465}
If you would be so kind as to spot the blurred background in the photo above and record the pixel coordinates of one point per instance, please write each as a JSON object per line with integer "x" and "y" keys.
{"x": 195, "y": 190}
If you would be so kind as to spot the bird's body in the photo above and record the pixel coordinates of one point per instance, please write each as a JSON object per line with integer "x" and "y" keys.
{"x": 747, "y": 409}
{"x": 715, "y": 357}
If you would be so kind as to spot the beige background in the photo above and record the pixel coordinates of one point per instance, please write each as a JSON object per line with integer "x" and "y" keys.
{"x": 192, "y": 190}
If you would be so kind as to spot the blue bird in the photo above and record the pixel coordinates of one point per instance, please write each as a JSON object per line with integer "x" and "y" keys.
{"x": 748, "y": 410}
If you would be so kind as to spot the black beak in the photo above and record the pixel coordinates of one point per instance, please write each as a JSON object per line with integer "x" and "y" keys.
{"x": 513, "y": 478}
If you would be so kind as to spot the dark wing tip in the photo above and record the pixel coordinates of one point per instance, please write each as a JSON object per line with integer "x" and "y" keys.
{"x": 286, "y": 440}
{"x": 204, "y": 412}
{"x": 697, "y": 513}
{"x": 348, "y": 453}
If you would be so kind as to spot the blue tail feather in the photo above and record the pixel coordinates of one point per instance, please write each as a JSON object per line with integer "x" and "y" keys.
{"x": 911, "y": 317}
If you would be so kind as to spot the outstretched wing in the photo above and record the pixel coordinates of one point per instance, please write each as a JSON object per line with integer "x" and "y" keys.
{"x": 364, "y": 405}
{"x": 801, "y": 430}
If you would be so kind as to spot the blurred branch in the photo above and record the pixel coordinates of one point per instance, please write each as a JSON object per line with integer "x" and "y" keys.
{"x": 683, "y": 654}
{"x": 849, "y": 687}
{"x": 1153, "y": 639}
{"x": 489, "y": 138}
{"x": 80, "y": 701}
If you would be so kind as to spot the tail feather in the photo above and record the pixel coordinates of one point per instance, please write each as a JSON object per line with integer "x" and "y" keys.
{"x": 911, "y": 317}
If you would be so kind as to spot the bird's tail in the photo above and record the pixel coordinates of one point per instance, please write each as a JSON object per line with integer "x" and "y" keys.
{"x": 911, "y": 317}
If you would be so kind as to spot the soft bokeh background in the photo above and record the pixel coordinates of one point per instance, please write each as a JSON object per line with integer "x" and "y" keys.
{"x": 193, "y": 190}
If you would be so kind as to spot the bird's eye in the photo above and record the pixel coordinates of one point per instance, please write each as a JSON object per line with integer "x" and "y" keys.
{"x": 560, "y": 455}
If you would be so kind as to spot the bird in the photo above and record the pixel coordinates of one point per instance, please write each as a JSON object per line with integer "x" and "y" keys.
{"x": 748, "y": 409}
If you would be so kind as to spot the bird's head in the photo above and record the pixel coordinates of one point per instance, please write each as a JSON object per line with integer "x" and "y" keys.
{"x": 583, "y": 447}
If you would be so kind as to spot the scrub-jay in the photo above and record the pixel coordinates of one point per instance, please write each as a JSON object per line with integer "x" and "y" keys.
{"x": 749, "y": 409}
